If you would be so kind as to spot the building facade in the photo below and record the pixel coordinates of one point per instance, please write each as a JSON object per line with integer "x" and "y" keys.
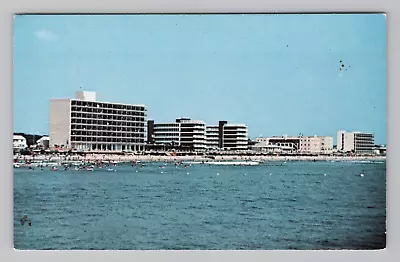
{"x": 298, "y": 144}
{"x": 85, "y": 124}
{"x": 234, "y": 137}
{"x": 286, "y": 143}
{"x": 212, "y": 137}
{"x": 356, "y": 142}
{"x": 183, "y": 133}
{"x": 195, "y": 135}
{"x": 316, "y": 144}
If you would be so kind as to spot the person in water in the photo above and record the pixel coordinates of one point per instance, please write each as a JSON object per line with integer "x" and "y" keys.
{"x": 24, "y": 219}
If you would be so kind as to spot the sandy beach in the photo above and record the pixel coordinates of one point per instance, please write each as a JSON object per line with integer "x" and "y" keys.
{"x": 149, "y": 158}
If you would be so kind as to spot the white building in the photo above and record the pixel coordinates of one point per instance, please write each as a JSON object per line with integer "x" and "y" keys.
{"x": 235, "y": 137}
{"x": 289, "y": 143}
{"x": 43, "y": 142}
{"x": 85, "y": 124}
{"x": 167, "y": 133}
{"x": 195, "y": 135}
{"x": 19, "y": 142}
{"x": 184, "y": 132}
{"x": 268, "y": 148}
{"x": 212, "y": 137}
{"x": 356, "y": 142}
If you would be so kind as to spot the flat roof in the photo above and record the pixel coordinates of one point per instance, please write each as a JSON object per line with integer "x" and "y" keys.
{"x": 105, "y": 102}
{"x": 101, "y": 102}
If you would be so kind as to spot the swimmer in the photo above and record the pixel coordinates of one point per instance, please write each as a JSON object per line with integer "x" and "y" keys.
{"x": 24, "y": 219}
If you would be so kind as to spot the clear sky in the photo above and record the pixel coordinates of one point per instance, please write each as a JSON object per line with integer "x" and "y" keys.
{"x": 279, "y": 74}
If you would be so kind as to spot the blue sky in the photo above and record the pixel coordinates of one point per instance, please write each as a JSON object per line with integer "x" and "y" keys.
{"x": 279, "y": 74}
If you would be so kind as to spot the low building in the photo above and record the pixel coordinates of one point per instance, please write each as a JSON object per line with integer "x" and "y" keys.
{"x": 316, "y": 144}
{"x": 290, "y": 143}
{"x": 355, "y": 142}
{"x": 268, "y": 148}
{"x": 19, "y": 142}
{"x": 300, "y": 144}
{"x": 379, "y": 150}
{"x": 43, "y": 142}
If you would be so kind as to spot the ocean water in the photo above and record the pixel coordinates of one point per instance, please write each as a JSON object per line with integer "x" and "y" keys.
{"x": 277, "y": 205}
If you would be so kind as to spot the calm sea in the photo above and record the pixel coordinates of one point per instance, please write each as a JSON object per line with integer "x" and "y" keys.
{"x": 277, "y": 205}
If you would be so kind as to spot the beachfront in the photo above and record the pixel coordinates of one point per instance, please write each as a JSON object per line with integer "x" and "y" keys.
{"x": 151, "y": 158}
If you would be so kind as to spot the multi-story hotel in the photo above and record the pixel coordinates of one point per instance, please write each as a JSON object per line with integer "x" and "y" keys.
{"x": 183, "y": 133}
{"x": 85, "y": 124}
{"x": 357, "y": 142}
{"x": 300, "y": 144}
{"x": 195, "y": 135}
{"x": 234, "y": 137}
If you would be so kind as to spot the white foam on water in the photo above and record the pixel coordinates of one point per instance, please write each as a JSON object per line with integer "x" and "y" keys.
{"x": 324, "y": 174}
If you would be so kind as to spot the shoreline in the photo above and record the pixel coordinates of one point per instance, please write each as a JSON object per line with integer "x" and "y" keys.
{"x": 149, "y": 158}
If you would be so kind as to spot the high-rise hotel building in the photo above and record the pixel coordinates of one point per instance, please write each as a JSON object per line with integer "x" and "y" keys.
{"x": 85, "y": 124}
{"x": 357, "y": 142}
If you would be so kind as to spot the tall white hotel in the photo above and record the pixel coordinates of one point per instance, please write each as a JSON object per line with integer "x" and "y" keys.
{"x": 85, "y": 124}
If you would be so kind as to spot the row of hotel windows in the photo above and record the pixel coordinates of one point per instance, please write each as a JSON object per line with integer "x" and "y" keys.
{"x": 111, "y": 134}
{"x": 106, "y": 139}
{"x": 165, "y": 130}
{"x": 104, "y": 116}
{"x": 166, "y": 134}
{"x": 106, "y": 105}
{"x": 165, "y": 125}
{"x": 107, "y": 128}
{"x": 105, "y": 122}
{"x": 108, "y": 112}
{"x": 364, "y": 135}
{"x": 242, "y": 132}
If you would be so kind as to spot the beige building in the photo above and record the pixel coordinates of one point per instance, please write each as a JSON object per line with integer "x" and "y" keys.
{"x": 300, "y": 144}
{"x": 85, "y": 124}
{"x": 316, "y": 144}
